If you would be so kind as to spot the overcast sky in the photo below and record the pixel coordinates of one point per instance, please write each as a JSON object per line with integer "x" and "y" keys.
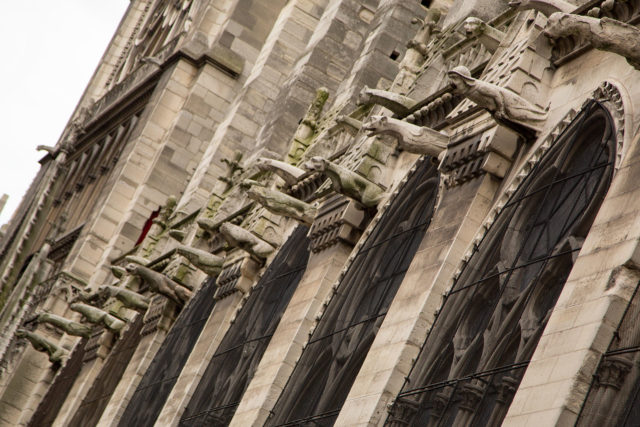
{"x": 49, "y": 52}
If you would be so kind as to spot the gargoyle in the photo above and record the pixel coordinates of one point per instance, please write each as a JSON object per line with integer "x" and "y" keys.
{"x": 348, "y": 182}
{"x": 279, "y": 203}
{"x": 605, "y": 34}
{"x": 486, "y": 34}
{"x": 127, "y": 297}
{"x": 55, "y": 352}
{"x": 159, "y": 283}
{"x": 399, "y": 104}
{"x": 546, "y": 7}
{"x": 507, "y": 107}
{"x": 66, "y": 325}
{"x": 136, "y": 259}
{"x": 203, "y": 260}
{"x": 238, "y": 237}
{"x": 289, "y": 173}
{"x": 118, "y": 271}
{"x": 96, "y": 316}
{"x": 208, "y": 225}
{"x": 411, "y": 138}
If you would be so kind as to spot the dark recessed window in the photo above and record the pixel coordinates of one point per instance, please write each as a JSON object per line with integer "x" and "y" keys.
{"x": 426, "y": 3}
{"x": 394, "y": 55}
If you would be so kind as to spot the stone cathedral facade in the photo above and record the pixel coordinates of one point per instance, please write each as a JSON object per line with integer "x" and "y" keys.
{"x": 337, "y": 212}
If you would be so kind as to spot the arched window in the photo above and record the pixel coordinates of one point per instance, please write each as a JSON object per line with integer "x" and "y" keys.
{"x": 336, "y": 350}
{"x": 489, "y": 325}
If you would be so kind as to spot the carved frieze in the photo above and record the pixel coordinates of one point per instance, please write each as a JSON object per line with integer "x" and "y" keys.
{"x": 338, "y": 220}
{"x": 237, "y": 276}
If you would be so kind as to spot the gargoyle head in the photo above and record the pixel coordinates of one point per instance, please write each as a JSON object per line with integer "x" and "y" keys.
{"x": 132, "y": 268}
{"x": 315, "y": 163}
{"x": 21, "y": 333}
{"x": 518, "y": 4}
{"x": 364, "y": 97}
{"x": 473, "y": 26}
{"x": 460, "y": 78}
{"x": 556, "y": 26}
{"x": 375, "y": 125}
{"x": 246, "y": 184}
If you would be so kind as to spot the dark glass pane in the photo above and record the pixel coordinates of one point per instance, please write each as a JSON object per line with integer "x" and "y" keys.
{"x": 234, "y": 363}
{"x": 330, "y": 363}
{"x": 477, "y": 351}
{"x": 157, "y": 382}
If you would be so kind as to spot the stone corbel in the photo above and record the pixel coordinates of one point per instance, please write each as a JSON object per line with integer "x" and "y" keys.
{"x": 237, "y": 276}
{"x": 98, "y": 317}
{"x": 398, "y": 104}
{"x": 40, "y": 343}
{"x": 127, "y": 297}
{"x": 161, "y": 284}
{"x": 506, "y": 107}
{"x": 206, "y": 262}
{"x": 411, "y": 138}
{"x": 347, "y": 182}
{"x": 339, "y": 220}
{"x": 279, "y": 203}
{"x": 605, "y": 34}
{"x": 289, "y": 173}
{"x": 64, "y": 324}
{"x": 546, "y": 7}
{"x": 240, "y": 238}
{"x": 486, "y": 34}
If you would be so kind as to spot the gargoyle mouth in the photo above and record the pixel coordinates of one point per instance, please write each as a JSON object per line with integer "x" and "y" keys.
{"x": 515, "y": 3}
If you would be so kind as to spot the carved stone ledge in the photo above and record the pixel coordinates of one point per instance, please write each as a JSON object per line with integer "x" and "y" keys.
{"x": 338, "y": 220}
{"x": 99, "y": 345}
{"x": 237, "y": 276}
{"x": 160, "y": 315}
{"x": 434, "y": 114}
{"x": 546, "y": 7}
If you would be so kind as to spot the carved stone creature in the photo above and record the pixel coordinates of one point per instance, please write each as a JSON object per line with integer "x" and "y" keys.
{"x": 280, "y": 203}
{"x": 547, "y": 7}
{"x": 136, "y": 259}
{"x": 203, "y": 260}
{"x": 68, "y": 326}
{"x": 605, "y": 34}
{"x": 411, "y": 138}
{"x": 507, "y": 107}
{"x": 118, "y": 271}
{"x": 238, "y": 237}
{"x": 55, "y": 352}
{"x": 127, "y": 297}
{"x": 486, "y": 34}
{"x": 347, "y": 182}
{"x": 399, "y": 104}
{"x": 289, "y": 173}
{"x": 99, "y": 317}
{"x": 159, "y": 283}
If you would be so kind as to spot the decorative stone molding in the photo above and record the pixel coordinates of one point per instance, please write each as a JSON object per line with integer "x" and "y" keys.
{"x": 98, "y": 345}
{"x": 398, "y": 104}
{"x": 435, "y": 112}
{"x": 347, "y": 182}
{"x": 506, "y": 107}
{"x": 280, "y": 203}
{"x": 605, "y": 34}
{"x": 240, "y": 238}
{"x": 161, "y": 284}
{"x": 289, "y": 173}
{"x": 486, "y": 34}
{"x": 128, "y": 298}
{"x": 98, "y": 317}
{"x": 613, "y": 370}
{"x": 338, "y": 220}
{"x": 546, "y": 7}
{"x": 203, "y": 260}
{"x": 237, "y": 276}
{"x": 159, "y": 315}
{"x": 411, "y": 138}
{"x": 40, "y": 343}
{"x": 66, "y": 325}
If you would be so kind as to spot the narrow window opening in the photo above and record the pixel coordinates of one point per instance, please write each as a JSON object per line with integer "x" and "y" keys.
{"x": 394, "y": 55}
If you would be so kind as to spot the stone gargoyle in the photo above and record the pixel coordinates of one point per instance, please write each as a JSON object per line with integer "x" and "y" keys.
{"x": 486, "y": 34}
{"x": 161, "y": 284}
{"x": 127, "y": 297}
{"x": 40, "y": 343}
{"x": 205, "y": 261}
{"x": 546, "y": 7}
{"x": 98, "y": 317}
{"x": 411, "y": 138}
{"x": 602, "y": 33}
{"x": 64, "y": 324}
{"x": 507, "y": 107}
{"x": 399, "y": 104}
{"x": 289, "y": 173}
{"x": 279, "y": 203}
{"x": 238, "y": 237}
{"x": 347, "y": 182}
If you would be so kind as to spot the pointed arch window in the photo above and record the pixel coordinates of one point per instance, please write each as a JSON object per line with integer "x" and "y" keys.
{"x": 489, "y": 325}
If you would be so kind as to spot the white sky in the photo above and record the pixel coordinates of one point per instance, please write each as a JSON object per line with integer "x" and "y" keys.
{"x": 49, "y": 52}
